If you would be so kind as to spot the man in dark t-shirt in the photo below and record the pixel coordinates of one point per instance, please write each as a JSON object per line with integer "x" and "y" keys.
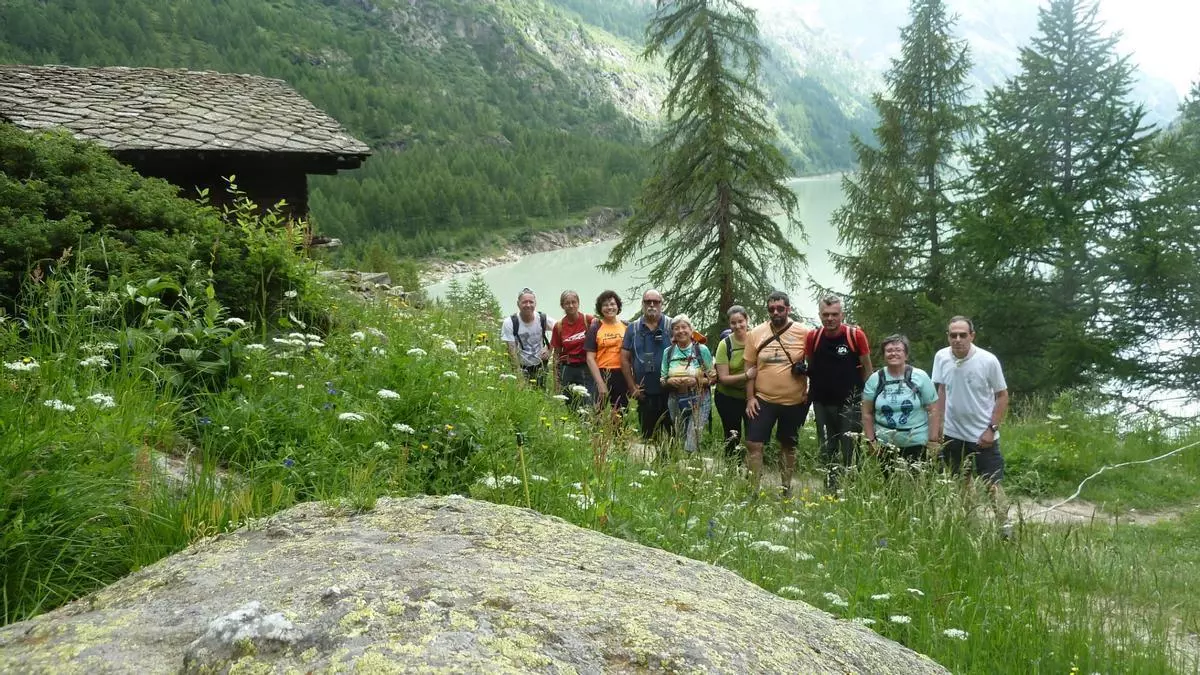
{"x": 839, "y": 361}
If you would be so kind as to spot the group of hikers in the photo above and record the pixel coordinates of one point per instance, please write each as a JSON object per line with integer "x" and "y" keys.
{"x": 768, "y": 378}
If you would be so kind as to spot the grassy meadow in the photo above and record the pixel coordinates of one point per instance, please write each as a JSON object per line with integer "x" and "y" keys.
{"x": 142, "y": 417}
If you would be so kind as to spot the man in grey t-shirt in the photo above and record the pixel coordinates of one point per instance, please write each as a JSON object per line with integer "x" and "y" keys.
{"x": 972, "y": 400}
{"x": 525, "y": 335}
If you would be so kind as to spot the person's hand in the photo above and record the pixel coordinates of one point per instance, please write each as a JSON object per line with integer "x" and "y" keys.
{"x": 544, "y": 354}
{"x": 988, "y": 439}
{"x": 752, "y": 408}
{"x": 751, "y": 372}
{"x": 601, "y": 391}
{"x": 933, "y": 448}
{"x": 874, "y": 447}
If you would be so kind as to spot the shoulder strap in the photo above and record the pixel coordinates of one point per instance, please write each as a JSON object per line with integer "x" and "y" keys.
{"x": 542, "y": 318}
{"x": 850, "y": 331}
{"x": 728, "y": 342}
{"x": 773, "y": 338}
{"x": 881, "y": 382}
{"x": 516, "y": 326}
{"x": 908, "y": 370}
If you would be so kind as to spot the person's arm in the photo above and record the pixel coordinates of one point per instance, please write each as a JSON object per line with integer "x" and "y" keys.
{"x": 937, "y": 415}
{"x": 510, "y": 341}
{"x": 865, "y": 356}
{"x": 594, "y": 369}
{"x": 750, "y": 358}
{"x": 631, "y": 384}
{"x": 988, "y": 438}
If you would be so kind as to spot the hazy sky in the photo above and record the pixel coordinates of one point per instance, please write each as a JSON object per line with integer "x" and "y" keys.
{"x": 1163, "y": 35}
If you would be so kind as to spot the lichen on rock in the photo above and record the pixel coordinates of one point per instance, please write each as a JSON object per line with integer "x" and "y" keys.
{"x": 439, "y": 584}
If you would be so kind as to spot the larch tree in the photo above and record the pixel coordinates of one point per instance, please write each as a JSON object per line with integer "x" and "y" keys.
{"x": 1162, "y": 264}
{"x": 899, "y": 207}
{"x": 1058, "y": 174}
{"x": 704, "y": 228}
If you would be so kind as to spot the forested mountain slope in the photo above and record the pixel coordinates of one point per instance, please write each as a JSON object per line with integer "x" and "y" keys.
{"x": 483, "y": 116}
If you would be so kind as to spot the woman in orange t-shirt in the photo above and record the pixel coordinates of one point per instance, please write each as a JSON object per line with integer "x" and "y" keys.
{"x": 602, "y": 345}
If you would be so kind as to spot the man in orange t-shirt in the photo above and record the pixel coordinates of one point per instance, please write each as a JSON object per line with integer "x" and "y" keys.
{"x": 777, "y": 393}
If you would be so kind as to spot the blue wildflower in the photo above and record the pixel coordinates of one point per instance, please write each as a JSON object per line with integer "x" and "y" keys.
{"x": 205, "y": 420}
{"x": 288, "y": 462}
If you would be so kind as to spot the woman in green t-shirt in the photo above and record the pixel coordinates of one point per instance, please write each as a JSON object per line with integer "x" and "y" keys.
{"x": 731, "y": 380}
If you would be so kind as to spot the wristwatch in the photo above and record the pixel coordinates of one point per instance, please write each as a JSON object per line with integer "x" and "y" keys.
{"x": 994, "y": 427}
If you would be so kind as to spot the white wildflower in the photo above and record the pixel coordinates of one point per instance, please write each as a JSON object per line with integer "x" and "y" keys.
{"x": 58, "y": 405}
{"x": 102, "y": 400}
{"x": 791, "y": 590}
{"x": 581, "y": 500}
{"x": 648, "y": 472}
{"x": 403, "y": 428}
{"x": 579, "y": 390}
{"x": 297, "y": 336}
{"x": 416, "y": 351}
{"x": 381, "y": 445}
{"x": 917, "y": 592}
{"x": 314, "y": 344}
{"x": 790, "y": 520}
{"x": 255, "y": 347}
{"x": 635, "y": 485}
{"x": 100, "y": 348}
{"x": 290, "y": 294}
{"x": 802, "y": 556}
{"x": 97, "y": 361}
{"x": 387, "y": 394}
{"x": 1053, "y": 417}
{"x": 358, "y": 336}
{"x": 538, "y": 479}
{"x": 483, "y": 349}
{"x": 449, "y": 345}
{"x": 881, "y": 596}
{"x": 956, "y": 633}
{"x": 691, "y": 522}
{"x": 835, "y": 599}
{"x": 378, "y": 351}
{"x": 351, "y": 417}
{"x": 376, "y": 332}
{"x": 740, "y": 536}
{"x": 863, "y": 621}
{"x": 1064, "y": 426}
{"x": 450, "y": 375}
{"x": 560, "y": 397}
{"x": 235, "y": 322}
{"x": 570, "y": 437}
{"x": 24, "y": 365}
{"x": 507, "y": 376}
{"x": 899, "y": 618}
{"x": 768, "y": 546}
{"x": 313, "y": 336}
{"x": 300, "y": 386}
{"x": 280, "y": 373}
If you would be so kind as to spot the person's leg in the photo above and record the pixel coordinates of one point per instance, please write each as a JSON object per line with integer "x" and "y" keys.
{"x": 788, "y": 433}
{"x": 828, "y": 417}
{"x": 953, "y": 453}
{"x": 731, "y": 410}
{"x": 757, "y": 434}
{"x": 662, "y": 421}
{"x": 849, "y": 424}
{"x": 989, "y": 464}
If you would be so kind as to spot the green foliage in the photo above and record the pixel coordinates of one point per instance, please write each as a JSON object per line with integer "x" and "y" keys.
{"x": 1057, "y": 176}
{"x": 703, "y": 227}
{"x": 57, "y": 193}
{"x": 899, "y": 206}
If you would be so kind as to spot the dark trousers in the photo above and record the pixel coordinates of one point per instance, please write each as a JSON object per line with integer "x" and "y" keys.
{"x": 618, "y": 390}
{"x": 835, "y": 423}
{"x": 652, "y": 414}
{"x": 535, "y": 374}
{"x": 569, "y": 374}
{"x": 732, "y": 411}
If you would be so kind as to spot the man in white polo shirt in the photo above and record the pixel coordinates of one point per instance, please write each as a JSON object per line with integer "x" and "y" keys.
{"x": 972, "y": 400}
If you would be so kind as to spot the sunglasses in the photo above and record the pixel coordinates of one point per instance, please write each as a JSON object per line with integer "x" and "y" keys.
{"x": 652, "y": 302}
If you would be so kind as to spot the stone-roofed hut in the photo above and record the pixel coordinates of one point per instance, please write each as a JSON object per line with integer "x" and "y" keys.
{"x": 192, "y": 128}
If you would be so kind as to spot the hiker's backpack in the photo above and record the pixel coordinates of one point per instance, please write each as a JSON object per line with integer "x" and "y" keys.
{"x": 814, "y": 338}
{"x": 516, "y": 327}
{"x": 640, "y": 367}
{"x": 881, "y": 382}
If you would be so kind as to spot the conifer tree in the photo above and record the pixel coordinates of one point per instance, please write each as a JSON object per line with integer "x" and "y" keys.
{"x": 1057, "y": 175}
{"x": 1162, "y": 265}
{"x": 899, "y": 207}
{"x": 703, "y": 227}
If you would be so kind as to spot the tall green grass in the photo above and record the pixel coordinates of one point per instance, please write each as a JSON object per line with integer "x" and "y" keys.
{"x": 385, "y": 399}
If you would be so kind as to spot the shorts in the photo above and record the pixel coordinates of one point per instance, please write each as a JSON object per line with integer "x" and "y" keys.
{"x": 789, "y": 417}
{"x": 988, "y": 463}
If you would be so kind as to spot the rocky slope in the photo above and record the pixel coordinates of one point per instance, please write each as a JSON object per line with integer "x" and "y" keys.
{"x": 439, "y": 584}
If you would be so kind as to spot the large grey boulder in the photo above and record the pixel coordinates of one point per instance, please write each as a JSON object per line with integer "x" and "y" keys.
{"x": 445, "y": 584}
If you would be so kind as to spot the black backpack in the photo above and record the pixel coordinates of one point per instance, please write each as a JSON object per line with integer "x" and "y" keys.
{"x": 516, "y": 326}
{"x": 881, "y": 382}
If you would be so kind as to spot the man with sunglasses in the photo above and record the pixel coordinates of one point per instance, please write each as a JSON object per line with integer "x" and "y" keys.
{"x": 972, "y": 400}
{"x": 775, "y": 396}
{"x": 641, "y": 360}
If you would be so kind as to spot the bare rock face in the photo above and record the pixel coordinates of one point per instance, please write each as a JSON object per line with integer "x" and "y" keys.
{"x": 446, "y": 584}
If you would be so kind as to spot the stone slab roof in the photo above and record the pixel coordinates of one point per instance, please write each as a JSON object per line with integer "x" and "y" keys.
{"x": 177, "y": 110}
